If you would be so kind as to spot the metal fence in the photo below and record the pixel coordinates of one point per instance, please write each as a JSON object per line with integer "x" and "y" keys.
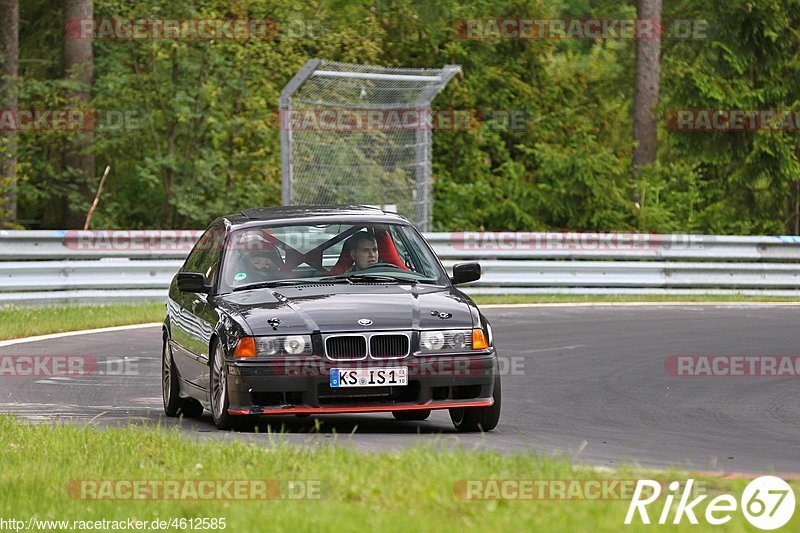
{"x": 360, "y": 134}
{"x": 59, "y": 267}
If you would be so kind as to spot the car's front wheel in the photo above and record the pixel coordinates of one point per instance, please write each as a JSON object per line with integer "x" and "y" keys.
{"x": 471, "y": 419}
{"x": 219, "y": 389}
{"x": 170, "y": 389}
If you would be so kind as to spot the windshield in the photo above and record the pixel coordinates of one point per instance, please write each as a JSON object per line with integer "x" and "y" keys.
{"x": 342, "y": 252}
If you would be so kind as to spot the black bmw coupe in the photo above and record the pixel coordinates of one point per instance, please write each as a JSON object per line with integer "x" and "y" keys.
{"x": 309, "y": 310}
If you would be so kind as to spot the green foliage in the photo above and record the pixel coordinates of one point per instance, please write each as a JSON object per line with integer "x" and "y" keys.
{"x": 25, "y": 321}
{"x": 552, "y": 150}
{"x": 738, "y": 182}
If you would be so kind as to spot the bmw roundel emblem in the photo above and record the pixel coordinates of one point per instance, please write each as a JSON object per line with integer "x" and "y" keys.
{"x": 365, "y": 322}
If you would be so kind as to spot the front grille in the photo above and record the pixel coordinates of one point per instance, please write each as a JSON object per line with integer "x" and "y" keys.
{"x": 385, "y": 346}
{"x": 346, "y": 347}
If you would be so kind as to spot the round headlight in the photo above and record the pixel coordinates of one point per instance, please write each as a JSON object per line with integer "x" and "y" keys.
{"x": 433, "y": 341}
{"x": 269, "y": 346}
{"x": 294, "y": 344}
{"x": 459, "y": 342}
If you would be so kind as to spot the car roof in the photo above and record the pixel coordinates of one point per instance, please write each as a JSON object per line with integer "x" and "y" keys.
{"x": 311, "y": 213}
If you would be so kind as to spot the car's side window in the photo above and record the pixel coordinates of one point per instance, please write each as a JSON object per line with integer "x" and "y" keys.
{"x": 419, "y": 260}
{"x": 401, "y": 249}
{"x": 205, "y": 256}
{"x": 194, "y": 255}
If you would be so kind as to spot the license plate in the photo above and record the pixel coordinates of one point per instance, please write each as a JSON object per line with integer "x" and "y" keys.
{"x": 369, "y": 377}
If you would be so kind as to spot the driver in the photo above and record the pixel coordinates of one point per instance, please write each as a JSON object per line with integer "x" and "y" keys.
{"x": 364, "y": 250}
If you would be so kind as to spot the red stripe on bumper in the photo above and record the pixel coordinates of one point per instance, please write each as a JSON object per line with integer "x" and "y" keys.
{"x": 364, "y": 409}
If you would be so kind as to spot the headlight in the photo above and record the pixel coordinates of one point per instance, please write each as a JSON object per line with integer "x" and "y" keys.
{"x": 291, "y": 345}
{"x": 296, "y": 344}
{"x": 454, "y": 340}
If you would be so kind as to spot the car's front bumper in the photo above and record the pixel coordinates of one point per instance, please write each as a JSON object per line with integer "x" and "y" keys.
{"x": 302, "y": 385}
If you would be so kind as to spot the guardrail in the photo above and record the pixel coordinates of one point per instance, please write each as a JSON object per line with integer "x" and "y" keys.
{"x": 175, "y": 244}
{"x": 59, "y": 266}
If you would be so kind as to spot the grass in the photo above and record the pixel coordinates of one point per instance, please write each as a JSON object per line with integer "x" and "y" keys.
{"x": 30, "y": 321}
{"x": 408, "y": 491}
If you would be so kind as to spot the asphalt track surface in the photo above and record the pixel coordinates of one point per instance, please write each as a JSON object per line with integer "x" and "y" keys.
{"x": 585, "y": 382}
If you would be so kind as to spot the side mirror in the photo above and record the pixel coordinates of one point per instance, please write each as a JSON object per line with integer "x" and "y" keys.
{"x": 192, "y": 282}
{"x": 466, "y": 272}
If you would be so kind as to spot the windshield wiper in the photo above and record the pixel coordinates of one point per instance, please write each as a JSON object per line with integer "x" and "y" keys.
{"x": 284, "y": 283}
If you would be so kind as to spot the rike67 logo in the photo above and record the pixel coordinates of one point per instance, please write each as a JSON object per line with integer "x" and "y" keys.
{"x": 767, "y": 503}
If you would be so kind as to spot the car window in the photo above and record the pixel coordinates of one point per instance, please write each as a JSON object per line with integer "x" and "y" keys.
{"x": 204, "y": 257}
{"x": 414, "y": 253}
{"x": 310, "y": 252}
{"x": 253, "y": 256}
{"x": 402, "y": 250}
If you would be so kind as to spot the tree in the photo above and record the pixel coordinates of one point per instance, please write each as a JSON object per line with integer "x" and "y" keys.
{"x": 645, "y": 97}
{"x": 78, "y": 66}
{"x": 9, "y": 63}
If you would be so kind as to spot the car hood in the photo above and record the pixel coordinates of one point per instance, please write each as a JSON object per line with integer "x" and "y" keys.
{"x": 338, "y": 308}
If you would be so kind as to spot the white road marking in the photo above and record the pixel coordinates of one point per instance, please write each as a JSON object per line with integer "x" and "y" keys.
{"x": 645, "y": 304}
{"x": 570, "y": 347}
{"x": 12, "y": 342}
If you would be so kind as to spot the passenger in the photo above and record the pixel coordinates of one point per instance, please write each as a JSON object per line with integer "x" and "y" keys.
{"x": 263, "y": 265}
{"x": 260, "y": 264}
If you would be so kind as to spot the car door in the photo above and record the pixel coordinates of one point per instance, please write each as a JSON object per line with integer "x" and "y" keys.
{"x": 195, "y": 320}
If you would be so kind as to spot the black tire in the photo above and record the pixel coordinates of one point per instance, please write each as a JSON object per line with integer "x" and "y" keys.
{"x": 412, "y": 415}
{"x": 219, "y": 389}
{"x": 472, "y": 419}
{"x": 170, "y": 390}
{"x": 191, "y": 408}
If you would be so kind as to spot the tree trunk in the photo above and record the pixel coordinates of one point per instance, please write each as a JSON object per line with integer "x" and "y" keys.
{"x": 793, "y": 204}
{"x": 645, "y": 98}
{"x": 9, "y": 64}
{"x": 78, "y": 65}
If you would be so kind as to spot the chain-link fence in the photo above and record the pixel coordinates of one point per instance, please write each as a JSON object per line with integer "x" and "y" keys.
{"x": 360, "y": 134}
